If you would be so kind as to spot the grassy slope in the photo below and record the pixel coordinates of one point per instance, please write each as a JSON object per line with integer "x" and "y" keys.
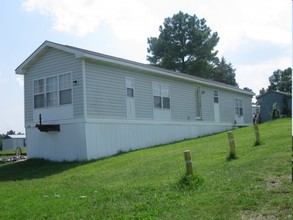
{"x": 144, "y": 184}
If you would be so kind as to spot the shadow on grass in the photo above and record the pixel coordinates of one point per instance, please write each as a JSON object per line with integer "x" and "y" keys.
{"x": 34, "y": 169}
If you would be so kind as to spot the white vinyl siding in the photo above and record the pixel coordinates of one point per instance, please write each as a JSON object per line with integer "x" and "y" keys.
{"x": 52, "y": 63}
{"x": 106, "y": 95}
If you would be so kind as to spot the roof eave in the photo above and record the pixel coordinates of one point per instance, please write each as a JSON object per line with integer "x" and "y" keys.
{"x": 148, "y": 68}
{"x": 81, "y": 54}
{"x": 21, "y": 69}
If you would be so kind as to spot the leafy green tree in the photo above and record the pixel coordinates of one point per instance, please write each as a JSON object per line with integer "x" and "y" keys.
{"x": 247, "y": 89}
{"x": 185, "y": 44}
{"x": 281, "y": 80}
{"x": 223, "y": 72}
{"x": 10, "y": 132}
{"x": 262, "y": 91}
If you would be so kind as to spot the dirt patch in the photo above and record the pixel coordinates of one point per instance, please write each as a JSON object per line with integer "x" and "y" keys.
{"x": 247, "y": 214}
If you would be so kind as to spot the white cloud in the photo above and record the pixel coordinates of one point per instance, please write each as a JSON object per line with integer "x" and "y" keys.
{"x": 131, "y": 22}
{"x": 81, "y": 17}
{"x": 256, "y": 76}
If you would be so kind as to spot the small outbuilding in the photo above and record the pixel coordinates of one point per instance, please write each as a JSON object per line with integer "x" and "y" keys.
{"x": 274, "y": 104}
{"x": 11, "y": 142}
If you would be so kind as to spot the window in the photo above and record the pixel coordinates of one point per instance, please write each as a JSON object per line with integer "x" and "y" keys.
{"x": 216, "y": 96}
{"x": 238, "y": 107}
{"x": 129, "y": 87}
{"x": 161, "y": 96}
{"x": 39, "y": 93}
{"x": 46, "y": 91}
{"x": 51, "y": 91}
{"x": 65, "y": 90}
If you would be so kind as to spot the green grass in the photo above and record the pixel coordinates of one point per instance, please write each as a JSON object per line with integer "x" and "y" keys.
{"x": 12, "y": 152}
{"x": 151, "y": 183}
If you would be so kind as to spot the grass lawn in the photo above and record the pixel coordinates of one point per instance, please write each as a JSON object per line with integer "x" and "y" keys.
{"x": 11, "y": 153}
{"x": 146, "y": 184}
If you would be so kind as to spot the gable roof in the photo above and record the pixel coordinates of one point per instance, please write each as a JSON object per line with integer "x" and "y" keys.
{"x": 87, "y": 54}
{"x": 275, "y": 92}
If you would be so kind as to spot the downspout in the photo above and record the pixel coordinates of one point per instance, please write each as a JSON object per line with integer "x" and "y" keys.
{"x": 84, "y": 106}
{"x": 84, "y": 89}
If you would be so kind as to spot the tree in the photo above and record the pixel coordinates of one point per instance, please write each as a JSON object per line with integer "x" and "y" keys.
{"x": 262, "y": 91}
{"x": 10, "y": 132}
{"x": 223, "y": 72}
{"x": 185, "y": 44}
{"x": 247, "y": 89}
{"x": 281, "y": 80}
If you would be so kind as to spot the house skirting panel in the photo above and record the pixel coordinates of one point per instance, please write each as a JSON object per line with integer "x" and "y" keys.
{"x": 101, "y": 138}
{"x": 106, "y": 139}
{"x": 66, "y": 145}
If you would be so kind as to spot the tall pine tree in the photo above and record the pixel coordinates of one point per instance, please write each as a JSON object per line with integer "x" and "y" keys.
{"x": 186, "y": 44}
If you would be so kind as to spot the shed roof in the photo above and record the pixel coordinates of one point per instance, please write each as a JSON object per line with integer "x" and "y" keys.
{"x": 87, "y": 54}
{"x": 276, "y": 92}
{"x": 14, "y": 136}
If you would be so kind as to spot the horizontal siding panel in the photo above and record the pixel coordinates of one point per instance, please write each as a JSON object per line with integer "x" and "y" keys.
{"x": 106, "y": 96}
{"x": 53, "y": 62}
{"x": 105, "y": 92}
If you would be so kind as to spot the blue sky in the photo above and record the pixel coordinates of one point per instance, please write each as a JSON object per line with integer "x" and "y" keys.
{"x": 255, "y": 36}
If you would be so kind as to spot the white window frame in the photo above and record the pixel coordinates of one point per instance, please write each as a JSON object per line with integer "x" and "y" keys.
{"x": 51, "y": 91}
{"x": 47, "y": 91}
{"x": 238, "y": 103}
{"x": 39, "y": 93}
{"x": 161, "y": 92}
{"x": 65, "y": 88}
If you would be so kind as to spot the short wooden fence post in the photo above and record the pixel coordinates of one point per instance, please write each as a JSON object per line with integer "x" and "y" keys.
{"x": 257, "y": 136}
{"x": 188, "y": 162}
{"x": 232, "y": 145}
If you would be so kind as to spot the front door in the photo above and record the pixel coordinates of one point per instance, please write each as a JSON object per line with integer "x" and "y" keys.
{"x": 238, "y": 112}
{"x": 130, "y": 103}
{"x": 216, "y": 106}
{"x": 217, "y": 112}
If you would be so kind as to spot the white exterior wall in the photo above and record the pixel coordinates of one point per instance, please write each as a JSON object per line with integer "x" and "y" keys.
{"x": 67, "y": 145}
{"x": 108, "y": 137}
{"x": 102, "y": 138}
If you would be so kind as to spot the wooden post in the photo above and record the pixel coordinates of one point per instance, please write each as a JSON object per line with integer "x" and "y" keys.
{"x": 18, "y": 152}
{"x": 257, "y": 136}
{"x": 188, "y": 162}
{"x": 232, "y": 145}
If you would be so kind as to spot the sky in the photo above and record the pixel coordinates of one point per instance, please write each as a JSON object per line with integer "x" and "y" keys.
{"x": 255, "y": 36}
